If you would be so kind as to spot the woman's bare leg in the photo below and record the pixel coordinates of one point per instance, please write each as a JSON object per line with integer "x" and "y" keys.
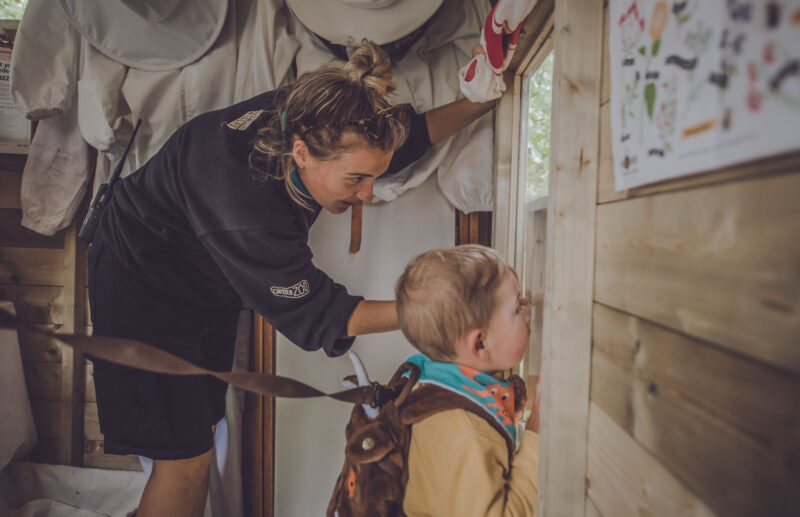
{"x": 176, "y": 488}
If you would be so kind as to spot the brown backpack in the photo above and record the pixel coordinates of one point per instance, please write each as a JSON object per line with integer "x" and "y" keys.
{"x": 374, "y": 476}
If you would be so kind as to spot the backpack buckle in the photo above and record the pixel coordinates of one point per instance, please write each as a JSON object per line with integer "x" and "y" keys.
{"x": 381, "y": 394}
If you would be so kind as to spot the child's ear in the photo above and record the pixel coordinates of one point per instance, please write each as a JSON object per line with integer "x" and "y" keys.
{"x": 476, "y": 346}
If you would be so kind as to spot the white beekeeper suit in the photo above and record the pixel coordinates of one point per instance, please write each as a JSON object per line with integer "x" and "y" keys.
{"x": 50, "y": 66}
{"x": 426, "y": 77}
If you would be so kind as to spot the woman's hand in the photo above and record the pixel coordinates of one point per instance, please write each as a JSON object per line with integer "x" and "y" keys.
{"x": 520, "y": 396}
{"x": 533, "y": 421}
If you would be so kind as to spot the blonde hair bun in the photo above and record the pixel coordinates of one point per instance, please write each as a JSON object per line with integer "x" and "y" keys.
{"x": 371, "y": 66}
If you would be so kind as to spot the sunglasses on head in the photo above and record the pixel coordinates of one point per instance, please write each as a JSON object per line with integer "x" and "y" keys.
{"x": 373, "y": 126}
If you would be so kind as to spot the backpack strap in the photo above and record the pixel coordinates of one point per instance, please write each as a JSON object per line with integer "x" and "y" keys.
{"x": 429, "y": 399}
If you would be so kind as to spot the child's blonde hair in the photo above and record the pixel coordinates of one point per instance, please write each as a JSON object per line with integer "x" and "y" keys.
{"x": 445, "y": 293}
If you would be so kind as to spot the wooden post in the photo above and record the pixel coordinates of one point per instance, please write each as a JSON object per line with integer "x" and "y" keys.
{"x": 578, "y": 34}
{"x": 259, "y": 428}
{"x": 505, "y": 179}
{"x": 474, "y": 228}
{"x": 72, "y": 365}
{"x": 535, "y": 257}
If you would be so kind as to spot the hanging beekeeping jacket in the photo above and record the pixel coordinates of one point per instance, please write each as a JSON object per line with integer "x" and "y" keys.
{"x": 427, "y": 77}
{"x": 55, "y": 70}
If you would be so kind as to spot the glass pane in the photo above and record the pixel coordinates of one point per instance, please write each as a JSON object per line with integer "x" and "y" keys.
{"x": 534, "y": 174}
{"x": 540, "y": 87}
{"x": 12, "y": 9}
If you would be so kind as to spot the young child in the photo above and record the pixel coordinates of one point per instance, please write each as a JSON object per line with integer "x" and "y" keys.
{"x": 461, "y": 308}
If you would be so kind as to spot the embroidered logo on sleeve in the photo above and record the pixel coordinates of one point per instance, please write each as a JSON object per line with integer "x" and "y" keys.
{"x": 298, "y": 290}
{"x": 245, "y": 120}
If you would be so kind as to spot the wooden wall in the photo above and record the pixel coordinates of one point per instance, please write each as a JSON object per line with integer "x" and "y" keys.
{"x": 45, "y": 277}
{"x": 695, "y": 365}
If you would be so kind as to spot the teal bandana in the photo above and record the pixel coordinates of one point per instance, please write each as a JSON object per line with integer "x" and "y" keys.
{"x": 299, "y": 183}
{"x": 495, "y": 396}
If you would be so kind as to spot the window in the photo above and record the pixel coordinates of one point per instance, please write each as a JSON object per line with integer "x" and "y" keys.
{"x": 12, "y": 9}
{"x": 523, "y": 171}
{"x": 540, "y": 99}
{"x": 534, "y": 175}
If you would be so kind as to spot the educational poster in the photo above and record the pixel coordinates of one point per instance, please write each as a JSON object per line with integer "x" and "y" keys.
{"x": 15, "y": 129}
{"x": 700, "y": 84}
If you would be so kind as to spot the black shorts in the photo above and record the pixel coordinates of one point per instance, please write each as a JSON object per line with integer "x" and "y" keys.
{"x": 155, "y": 415}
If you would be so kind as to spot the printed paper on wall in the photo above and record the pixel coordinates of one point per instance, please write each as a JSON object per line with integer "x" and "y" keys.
{"x": 700, "y": 84}
{"x": 15, "y": 129}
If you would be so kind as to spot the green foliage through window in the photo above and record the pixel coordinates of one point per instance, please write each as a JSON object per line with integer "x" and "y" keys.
{"x": 12, "y": 9}
{"x": 539, "y": 107}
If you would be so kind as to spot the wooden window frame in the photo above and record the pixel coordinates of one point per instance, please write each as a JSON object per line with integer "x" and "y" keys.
{"x": 577, "y": 38}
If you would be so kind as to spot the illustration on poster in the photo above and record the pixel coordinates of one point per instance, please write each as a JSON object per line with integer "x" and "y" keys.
{"x": 691, "y": 78}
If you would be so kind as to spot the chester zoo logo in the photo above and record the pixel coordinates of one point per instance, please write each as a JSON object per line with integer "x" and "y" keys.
{"x": 298, "y": 290}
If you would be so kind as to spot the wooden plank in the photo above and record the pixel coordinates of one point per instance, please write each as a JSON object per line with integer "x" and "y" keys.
{"x": 760, "y": 401}
{"x": 266, "y": 335}
{"x": 10, "y": 183}
{"x": 605, "y": 173}
{"x": 473, "y": 228}
{"x": 13, "y": 234}
{"x": 259, "y": 428}
{"x": 780, "y": 164}
{"x": 462, "y": 228}
{"x": 504, "y": 177}
{"x": 535, "y": 257}
{"x": 540, "y": 48}
{"x": 47, "y": 416}
{"x": 605, "y": 83}
{"x": 484, "y": 228}
{"x": 43, "y": 381}
{"x": 566, "y": 351}
{"x": 591, "y": 508}
{"x": 731, "y": 472}
{"x": 94, "y": 457}
{"x": 536, "y": 24}
{"x": 91, "y": 422}
{"x": 31, "y": 266}
{"x": 625, "y": 480}
{"x": 716, "y": 263}
{"x": 37, "y": 348}
{"x": 252, "y": 441}
{"x": 519, "y": 156}
{"x": 89, "y": 393}
{"x": 73, "y": 376}
{"x": 35, "y": 304}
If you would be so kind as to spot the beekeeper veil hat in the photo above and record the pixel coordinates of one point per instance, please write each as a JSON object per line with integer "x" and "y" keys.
{"x": 347, "y": 22}
{"x": 149, "y": 34}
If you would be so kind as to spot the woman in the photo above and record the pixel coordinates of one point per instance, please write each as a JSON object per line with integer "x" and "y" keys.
{"x": 221, "y": 214}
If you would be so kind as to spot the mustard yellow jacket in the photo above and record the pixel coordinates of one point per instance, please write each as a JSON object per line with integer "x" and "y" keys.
{"x": 458, "y": 466}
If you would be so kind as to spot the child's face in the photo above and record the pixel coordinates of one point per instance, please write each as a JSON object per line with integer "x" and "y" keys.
{"x": 507, "y": 334}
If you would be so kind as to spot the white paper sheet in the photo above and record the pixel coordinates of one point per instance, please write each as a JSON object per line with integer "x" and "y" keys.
{"x": 701, "y": 84}
{"x": 15, "y": 129}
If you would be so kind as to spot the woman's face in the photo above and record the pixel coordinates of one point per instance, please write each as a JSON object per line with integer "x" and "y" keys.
{"x": 345, "y": 180}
